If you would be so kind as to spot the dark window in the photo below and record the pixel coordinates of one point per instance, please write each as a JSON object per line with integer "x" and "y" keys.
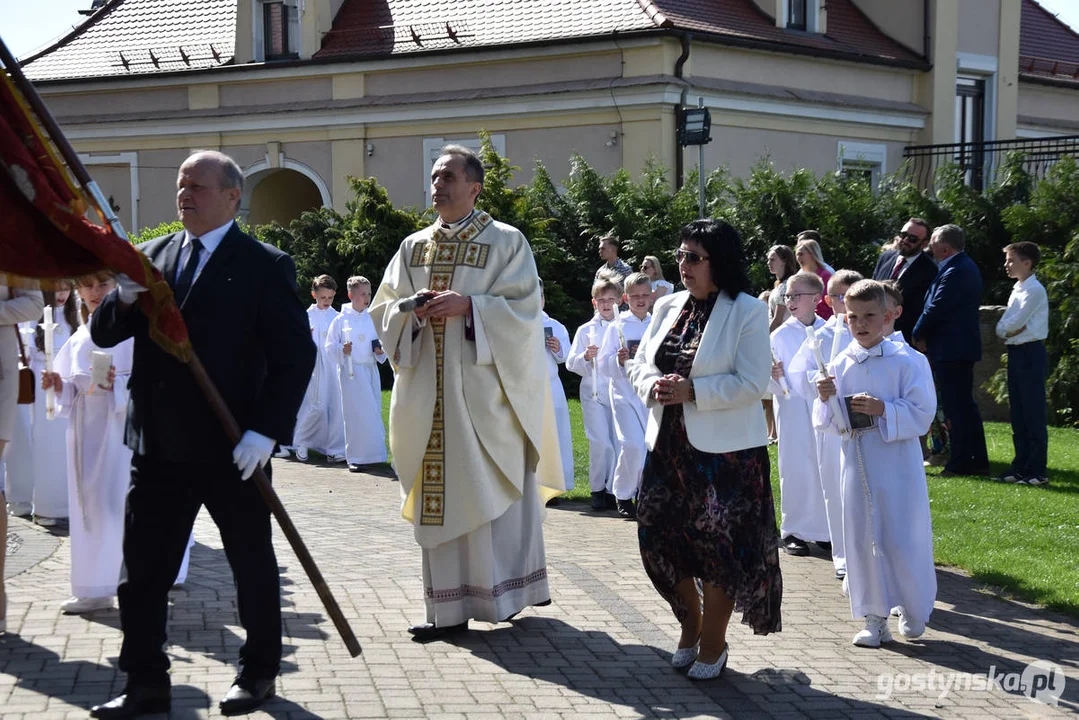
{"x": 796, "y": 14}
{"x": 970, "y": 129}
{"x": 276, "y": 23}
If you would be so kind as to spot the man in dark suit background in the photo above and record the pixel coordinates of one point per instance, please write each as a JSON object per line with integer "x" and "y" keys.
{"x": 912, "y": 270}
{"x": 948, "y": 332}
{"x": 237, "y": 296}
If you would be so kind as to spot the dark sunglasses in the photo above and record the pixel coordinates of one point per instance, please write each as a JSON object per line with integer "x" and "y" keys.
{"x": 688, "y": 257}
{"x": 904, "y": 235}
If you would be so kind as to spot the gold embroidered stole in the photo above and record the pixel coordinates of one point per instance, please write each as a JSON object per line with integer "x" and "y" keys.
{"x": 442, "y": 255}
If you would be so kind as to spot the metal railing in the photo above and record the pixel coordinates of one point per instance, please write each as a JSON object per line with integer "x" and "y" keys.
{"x": 979, "y": 161}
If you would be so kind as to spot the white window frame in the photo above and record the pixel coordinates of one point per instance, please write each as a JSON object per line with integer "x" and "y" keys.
{"x": 131, "y": 159}
{"x": 431, "y": 146}
{"x": 860, "y": 155}
{"x": 813, "y": 8}
{"x": 982, "y": 67}
{"x": 259, "y": 39}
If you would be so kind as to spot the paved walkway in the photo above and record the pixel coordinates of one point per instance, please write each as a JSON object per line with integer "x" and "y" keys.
{"x": 600, "y": 650}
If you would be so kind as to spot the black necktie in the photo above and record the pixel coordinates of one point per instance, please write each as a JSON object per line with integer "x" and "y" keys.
{"x": 183, "y": 285}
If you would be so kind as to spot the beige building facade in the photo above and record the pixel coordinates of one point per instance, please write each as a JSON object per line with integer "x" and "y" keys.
{"x": 305, "y": 94}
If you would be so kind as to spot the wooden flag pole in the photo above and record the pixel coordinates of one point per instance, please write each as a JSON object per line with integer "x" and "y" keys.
{"x": 213, "y": 396}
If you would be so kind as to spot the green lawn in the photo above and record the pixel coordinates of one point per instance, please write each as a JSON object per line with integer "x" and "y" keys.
{"x": 1017, "y": 540}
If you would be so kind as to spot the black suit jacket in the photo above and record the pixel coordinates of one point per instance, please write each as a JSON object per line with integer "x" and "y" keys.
{"x": 248, "y": 329}
{"x": 913, "y": 282}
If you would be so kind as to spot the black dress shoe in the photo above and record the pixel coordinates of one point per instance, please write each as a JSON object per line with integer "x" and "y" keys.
{"x": 136, "y": 700}
{"x": 626, "y": 509}
{"x": 599, "y": 500}
{"x": 427, "y": 632}
{"x": 795, "y": 546}
{"x": 826, "y": 547}
{"x": 246, "y": 694}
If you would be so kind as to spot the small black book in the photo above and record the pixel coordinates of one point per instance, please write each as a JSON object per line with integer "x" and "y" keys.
{"x": 858, "y": 420}
{"x": 632, "y": 346}
{"x": 548, "y": 332}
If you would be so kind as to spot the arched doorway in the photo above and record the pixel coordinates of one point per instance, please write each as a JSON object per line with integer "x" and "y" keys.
{"x": 281, "y": 194}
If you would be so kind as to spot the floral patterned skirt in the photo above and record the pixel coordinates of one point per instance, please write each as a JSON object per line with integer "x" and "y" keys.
{"x": 710, "y": 517}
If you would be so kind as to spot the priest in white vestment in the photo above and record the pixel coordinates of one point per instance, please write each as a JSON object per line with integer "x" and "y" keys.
{"x": 472, "y": 427}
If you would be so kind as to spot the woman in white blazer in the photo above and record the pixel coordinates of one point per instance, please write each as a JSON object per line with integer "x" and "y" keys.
{"x": 16, "y": 306}
{"x": 705, "y": 512}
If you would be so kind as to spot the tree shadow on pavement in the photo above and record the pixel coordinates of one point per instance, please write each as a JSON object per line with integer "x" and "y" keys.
{"x": 640, "y": 676}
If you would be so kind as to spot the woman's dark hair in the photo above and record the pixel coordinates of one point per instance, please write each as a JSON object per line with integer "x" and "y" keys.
{"x": 790, "y": 263}
{"x": 724, "y": 248}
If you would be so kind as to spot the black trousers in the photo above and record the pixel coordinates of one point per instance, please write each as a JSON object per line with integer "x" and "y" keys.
{"x": 956, "y": 383}
{"x": 162, "y": 503}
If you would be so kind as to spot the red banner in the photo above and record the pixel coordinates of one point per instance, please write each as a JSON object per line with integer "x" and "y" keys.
{"x": 45, "y": 234}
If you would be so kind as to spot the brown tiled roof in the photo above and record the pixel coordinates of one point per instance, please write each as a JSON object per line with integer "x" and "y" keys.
{"x": 139, "y": 37}
{"x": 1048, "y": 48}
{"x": 850, "y": 32}
{"x": 365, "y": 28}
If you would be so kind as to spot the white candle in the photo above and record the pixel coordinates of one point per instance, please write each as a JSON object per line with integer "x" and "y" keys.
{"x": 840, "y": 324}
{"x": 782, "y": 380}
{"x": 595, "y": 383}
{"x": 50, "y": 395}
{"x": 348, "y": 339}
{"x": 833, "y": 401}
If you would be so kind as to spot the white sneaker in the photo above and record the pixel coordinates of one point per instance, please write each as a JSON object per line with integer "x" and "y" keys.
{"x": 875, "y": 632}
{"x": 909, "y": 627}
{"x": 282, "y": 452}
{"x": 335, "y": 458}
{"x": 45, "y": 521}
{"x": 78, "y": 606}
{"x": 301, "y": 453}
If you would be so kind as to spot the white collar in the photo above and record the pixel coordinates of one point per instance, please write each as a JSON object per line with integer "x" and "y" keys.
{"x": 211, "y": 239}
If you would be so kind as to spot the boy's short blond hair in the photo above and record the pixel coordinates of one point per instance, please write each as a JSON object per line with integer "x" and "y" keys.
{"x": 607, "y": 282}
{"x": 806, "y": 278}
{"x": 355, "y": 281}
{"x": 892, "y": 291}
{"x": 843, "y": 277}
{"x": 868, "y": 291}
{"x": 637, "y": 278}
{"x": 323, "y": 282}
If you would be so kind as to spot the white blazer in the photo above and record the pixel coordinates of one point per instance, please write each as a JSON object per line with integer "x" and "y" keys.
{"x": 730, "y": 373}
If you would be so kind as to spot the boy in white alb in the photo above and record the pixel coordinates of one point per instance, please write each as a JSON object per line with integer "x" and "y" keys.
{"x": 595, "y": 390}
{"x": 620, "y": 341}
{"x": 353, "y": 345}
{"x": 801, "y": 375}
{"x": 319, "y": 424}
{"x": 801, "y": 499}
{"x": 885, "y": 392}
{"x": 556, "y": 343}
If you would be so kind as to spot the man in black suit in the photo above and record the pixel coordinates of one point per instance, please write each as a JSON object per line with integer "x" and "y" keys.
{"x": 912, "y": 270}
{"x": 237, "y": 296}
{"x": 948, "y": 331}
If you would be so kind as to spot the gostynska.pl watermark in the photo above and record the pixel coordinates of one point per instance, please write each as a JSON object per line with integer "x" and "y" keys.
{"x": 1040, "y": 681}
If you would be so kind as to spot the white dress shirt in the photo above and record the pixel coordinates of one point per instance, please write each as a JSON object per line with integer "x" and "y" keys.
{"x": 209, "y": 241}
{"x": 1028, "y": 305}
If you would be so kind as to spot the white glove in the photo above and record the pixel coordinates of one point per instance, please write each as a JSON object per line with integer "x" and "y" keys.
{"x": 253, "y": 451}
{"x": 127, "y": 289}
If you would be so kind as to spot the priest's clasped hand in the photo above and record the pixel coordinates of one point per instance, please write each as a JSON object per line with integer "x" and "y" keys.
{"x": 127, "y": 289}
{"x": 446, "y": 304}
{"x": 253, "y": 451}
